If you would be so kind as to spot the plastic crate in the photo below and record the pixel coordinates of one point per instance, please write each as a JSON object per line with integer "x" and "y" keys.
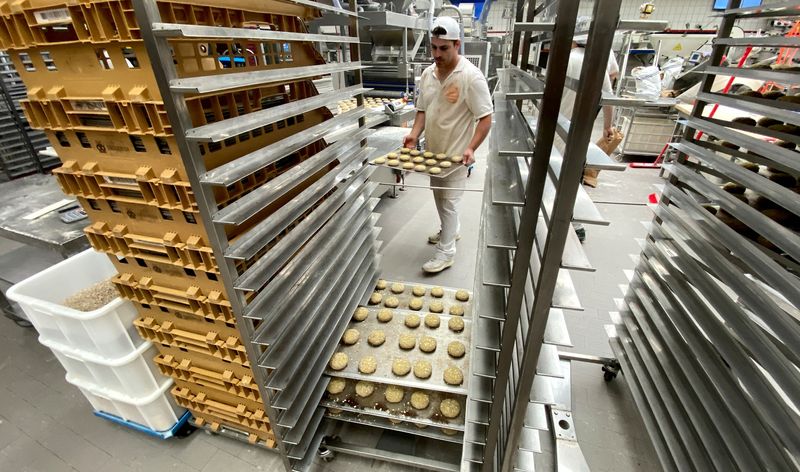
{"x": 26, "y": 24}
{"x": 238, "y": 414}
{"x": 133, "y": 375}
{"x": 157, "y": 411}
{"x": 185, "y": 367}
{"x": 107, "y": 331}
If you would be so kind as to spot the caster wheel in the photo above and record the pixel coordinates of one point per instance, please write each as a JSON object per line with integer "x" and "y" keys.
{"x": 610, "y": 370}
{"x": 325, "y": 454}
{"x": 185, "y": 431}
{"x": 609, "y": 376}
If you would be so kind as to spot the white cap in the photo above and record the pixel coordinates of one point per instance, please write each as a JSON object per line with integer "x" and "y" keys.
{"x": 449, "y": 25}
{"x": 582, "y": 23}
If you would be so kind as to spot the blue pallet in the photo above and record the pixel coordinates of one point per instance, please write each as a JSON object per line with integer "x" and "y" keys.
{"x": 144, "y": 429}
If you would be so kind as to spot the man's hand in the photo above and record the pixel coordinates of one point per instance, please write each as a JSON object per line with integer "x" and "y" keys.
{"x": 410, "y": 141}
{"x": 608, "y": 133}
{"x": 469, "y": 157}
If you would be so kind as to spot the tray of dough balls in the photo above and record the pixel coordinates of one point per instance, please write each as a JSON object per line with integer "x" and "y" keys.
{"x": 421, "y": 162}
{"x": 418, "y": 407}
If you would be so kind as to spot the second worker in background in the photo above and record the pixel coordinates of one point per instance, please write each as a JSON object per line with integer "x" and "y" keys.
{"x": 454, "y": 108}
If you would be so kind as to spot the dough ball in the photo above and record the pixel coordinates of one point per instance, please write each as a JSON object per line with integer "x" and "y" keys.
{"x": 427, "y": 344}
{"x": 368, "y": 365}
{"x": 376, "y": 338}
{"x": 432, "y": 321}
{"x": 398, "y": 288}
{"x": 435, "y": 170}
{"x": 339, "y": 361}
{"x": 393, "y": 394}
{"x": 441, "y": 156}
{"x": 456, "y": 324}
{"x": 456, "y": 349}
{"x": 407, "y": 341}
{"x": 415, "y": 304}
{"x": 415, "y": 153}
{"x": 456, "y": 159}
{"x": 418, "y": 290}
{"x": 420, "y": 400}
{"x": 336, "y": 386}
{"x": 380, "y": 160}
{"x": 422, "y": 369}
{"x": 391, "y": 302}
{"x": 445, "y": 164}
{"x": 437, "y": 292}
{"x": 393, "y": 162}
{"x": 381, "y": 285}
{"x": 392, "y": 155}
{"x": 334, "y": 411}
{"x": 457, "y": 310}
{"x": 401, "y": 367}
{"x": 431, "y": 162}
{"x": 375, "y": 298}
{"x": 412, "y": 320}
{"x": 420, "y": 168}
{"x": 450, "y": 408}
{"x": 408, "y": 165}
{"x": 420, "y": 425}
{"x": 361, "y": 313}
{"x": 452, "y": 376}
{"x": 350, "y": 337}
{"x": 449, "y": 432}
{"x": 385, "y": 315}
{"x": 436, "y": 307}
{"x": 364, "y": 389}
{"x": 405, "y": 150}
{"x": 395, "y": 421}
{"x": 418, "y": 160}
{"x": 427, "y": 154}
{"x": 462, "y": 295}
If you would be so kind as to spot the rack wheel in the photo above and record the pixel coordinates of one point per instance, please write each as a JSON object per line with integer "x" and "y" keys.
{"x": 325, "y": 454}
{"x": 610, "y": 370}
{"x": 185, "y": 430}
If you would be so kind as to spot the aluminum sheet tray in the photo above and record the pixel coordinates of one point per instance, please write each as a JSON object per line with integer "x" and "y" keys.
{"x": 448, "y": 299}
{"x": 375, "y": 422}
{"x": 376, "y": 405}
{"x": 445, "y": 172}
{"x": 390, "y": 350}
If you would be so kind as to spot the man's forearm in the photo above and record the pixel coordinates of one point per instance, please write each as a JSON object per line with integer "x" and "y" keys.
{"x": 608, "y": 116}
{"x": 419, "y": 124}
{"x": 481, "y": 131}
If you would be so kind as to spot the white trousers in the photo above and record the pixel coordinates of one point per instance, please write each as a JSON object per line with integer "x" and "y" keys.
{"x": 447, "y": 201}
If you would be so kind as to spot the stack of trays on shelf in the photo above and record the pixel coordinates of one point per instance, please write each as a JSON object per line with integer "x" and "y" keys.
{"x": 402, "y": 362}
{"x": 92, "y": 89}
{"x": 99, "y": 349}
{"x": 19, "y": 144}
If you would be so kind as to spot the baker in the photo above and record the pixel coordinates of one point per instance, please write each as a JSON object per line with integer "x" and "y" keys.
{"x": 454, "y": 108}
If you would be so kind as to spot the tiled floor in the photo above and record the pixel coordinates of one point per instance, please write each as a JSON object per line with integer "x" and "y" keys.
{"x": 46, "y": 425}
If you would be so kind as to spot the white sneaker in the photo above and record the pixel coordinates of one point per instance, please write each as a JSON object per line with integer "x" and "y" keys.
{"x": 434, "y": 238}
{"x": 437, "y": 264}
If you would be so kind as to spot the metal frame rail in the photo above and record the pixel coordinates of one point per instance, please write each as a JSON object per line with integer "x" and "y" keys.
{"x": 520, "y": 386}
{"x": 707, "y": 333}
{"x": 331, "y": 254}
{"x": 19, "y": 143}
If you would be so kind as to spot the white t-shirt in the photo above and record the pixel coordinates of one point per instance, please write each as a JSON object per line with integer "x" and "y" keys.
{"x": 574, "y": 68}
{"x": 453, "y": 107}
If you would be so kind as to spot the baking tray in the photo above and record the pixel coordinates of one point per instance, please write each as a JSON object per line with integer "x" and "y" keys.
{"x": 445, "y": 172}
{"x": 448, "y": 299}
{"x": 387, "y": 352}
{"x": 376, "y": 405}
{"x": 375, "y": 422}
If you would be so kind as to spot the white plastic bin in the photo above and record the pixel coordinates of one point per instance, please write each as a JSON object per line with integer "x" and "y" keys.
{"x": 134, "y": 375}
{"x": 108, "y": 331}
{"x": 157, "y": 411}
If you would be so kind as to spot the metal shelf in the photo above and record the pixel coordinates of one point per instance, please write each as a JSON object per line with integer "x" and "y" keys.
{"x": 431, "y": 432}
{"x": 175, "y": 30}
{"x": 506, "y": 184}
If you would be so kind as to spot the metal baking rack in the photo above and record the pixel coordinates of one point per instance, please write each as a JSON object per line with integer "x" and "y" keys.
{"x": 520, "y": 384}
{"x": 331, "y": 255}
{"x": 720, "y": 394}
